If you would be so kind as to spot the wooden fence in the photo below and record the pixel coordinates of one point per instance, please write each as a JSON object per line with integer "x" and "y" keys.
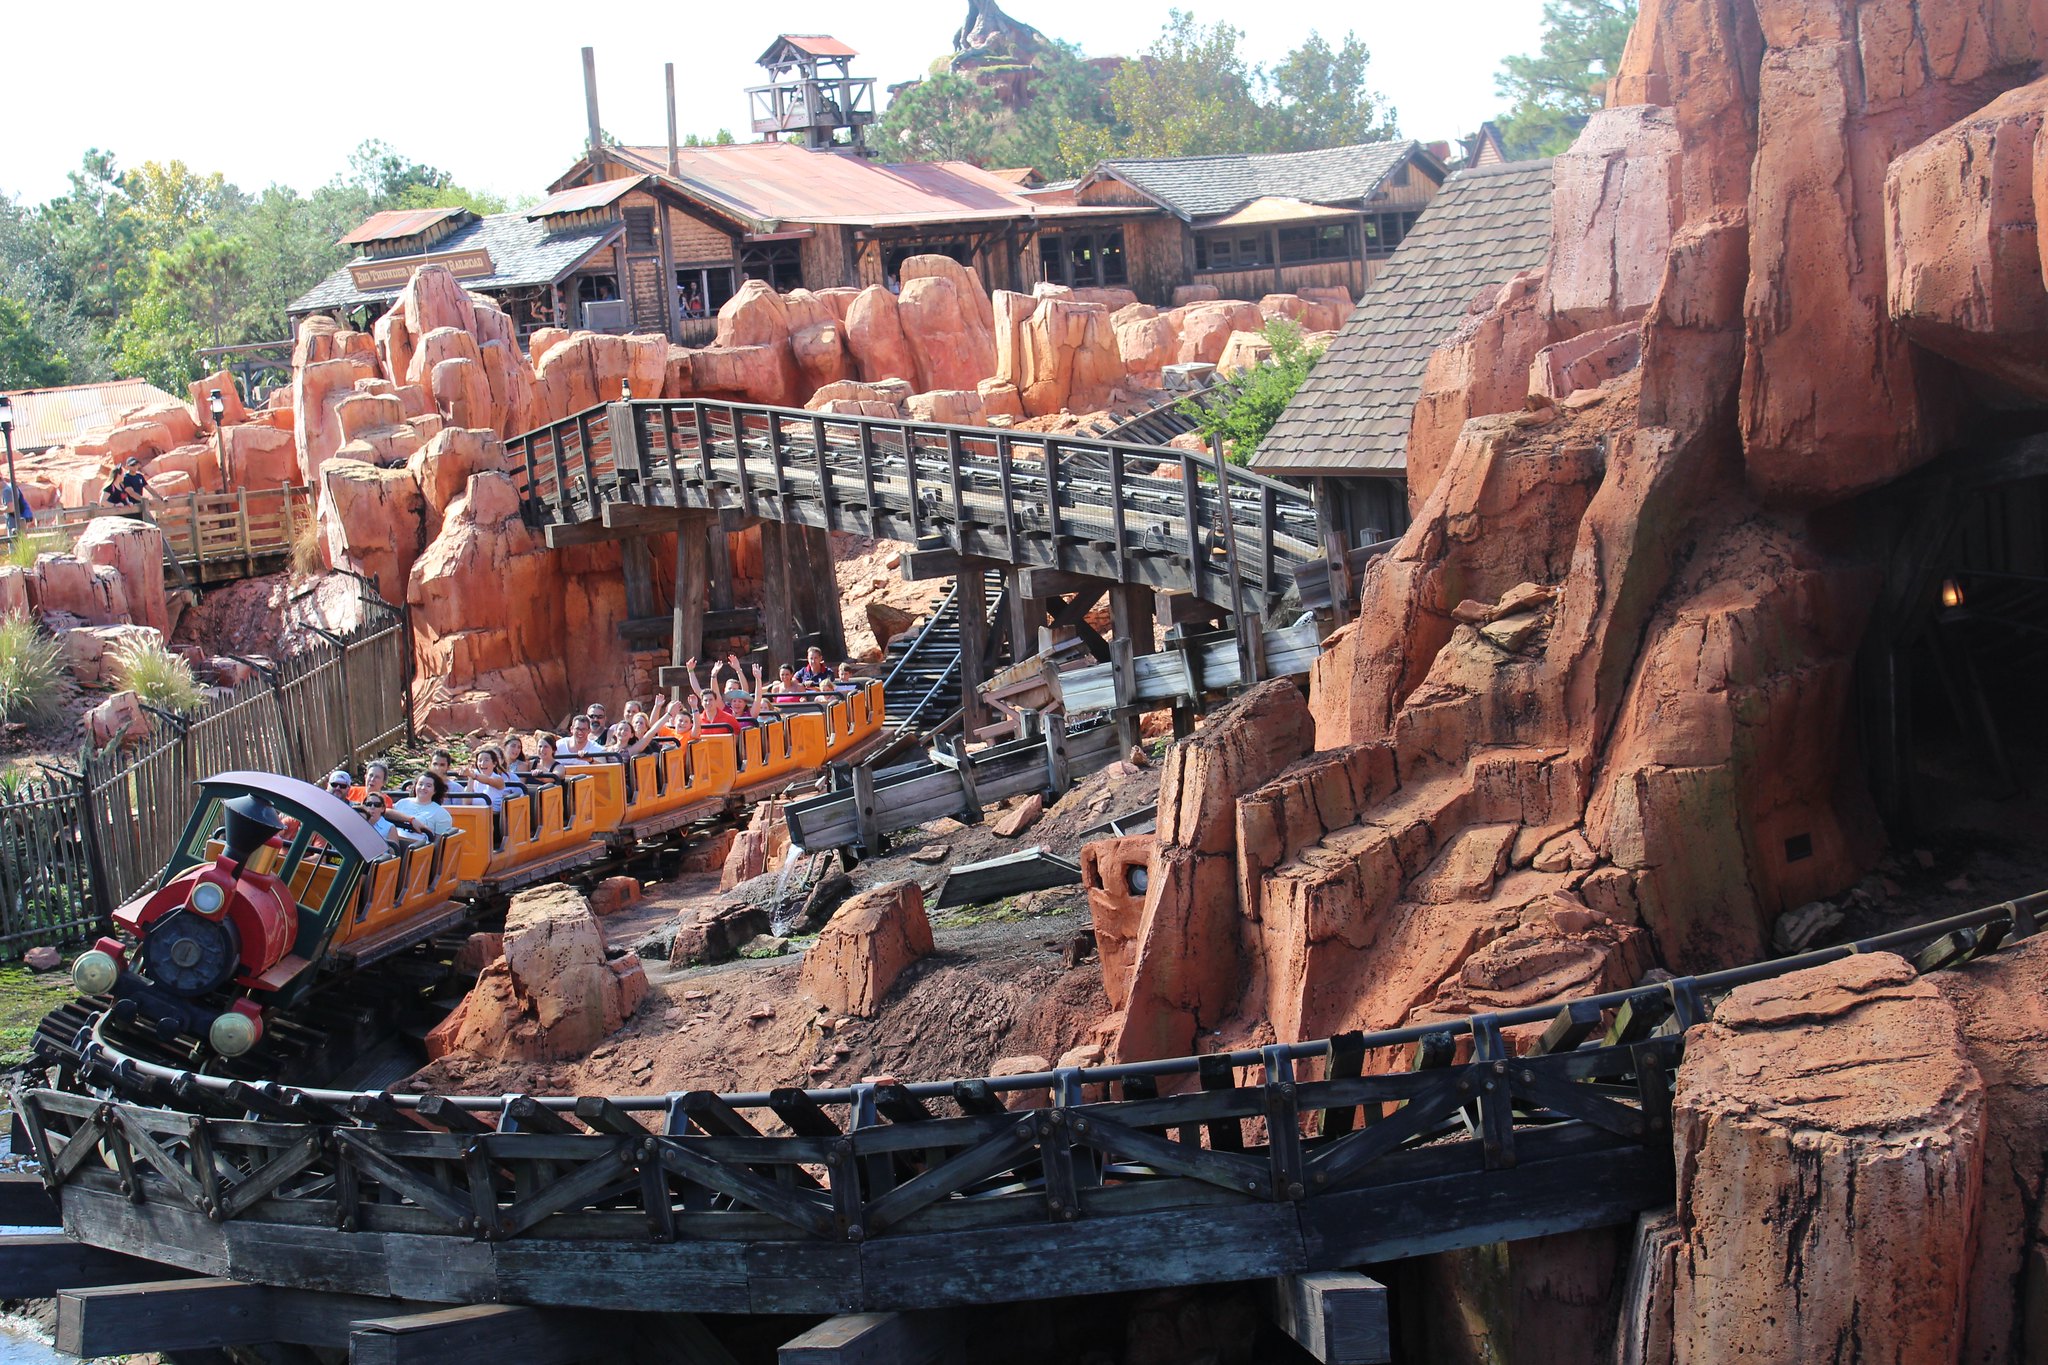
{"x": 79, "y": 844}
{"x": 209, "y": 537}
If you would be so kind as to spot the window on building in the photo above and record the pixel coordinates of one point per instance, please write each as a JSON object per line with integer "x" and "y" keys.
{"x": 640, "y": 230}
{"x": 702, "y": 290}
{"x": 1325, "y": 242}
{"x": 781, "y": 264}
{"x": 1384, "y": 232}
{"x": 1084, "y": 260}
{"x": 1398, "y": 177}
{"x": 1231, "y": 250}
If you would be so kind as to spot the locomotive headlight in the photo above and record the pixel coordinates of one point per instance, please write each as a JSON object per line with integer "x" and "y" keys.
{"x": 233, "y": 1033}
{"x": 208, "y": 898}
{"x": 94, "y": 972}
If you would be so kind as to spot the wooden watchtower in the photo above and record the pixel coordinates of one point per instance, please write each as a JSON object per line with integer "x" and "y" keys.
{"x": 812, "y": 97}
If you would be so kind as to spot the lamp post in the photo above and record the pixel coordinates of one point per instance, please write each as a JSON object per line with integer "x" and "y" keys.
{"x": 219, "y": 409}
{"x": 13, "y": 488}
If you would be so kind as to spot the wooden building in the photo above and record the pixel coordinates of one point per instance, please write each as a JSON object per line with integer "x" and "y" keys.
{"x": 799, "y": 217}
{"x": 1249, "y": 225}
{"x": 593, "y": 257}
{"x": 1347, "y": 429}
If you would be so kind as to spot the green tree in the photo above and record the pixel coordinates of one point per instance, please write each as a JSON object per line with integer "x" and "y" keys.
{"x": 1321, "y": 99}
{"x": 944, "y": 117}
{"x": 1066, "y": 94}
{"x": 1192, "y": 93}
{"x": 1246, "y": 405}
{"x": 1557, "y": 89}
{"x": 28, "y": 360}
{"x": 723, "y": 138}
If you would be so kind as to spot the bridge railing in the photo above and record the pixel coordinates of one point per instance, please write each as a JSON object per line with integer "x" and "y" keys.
{"x": 1181, "y": 520}
{"x": 1338, "y": 1152}
{"x": 210, "y": 536}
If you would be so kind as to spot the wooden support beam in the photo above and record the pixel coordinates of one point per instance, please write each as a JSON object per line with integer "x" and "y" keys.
{"x": 1131, "y": 609}
{"x": 692, "y": 589}
{"x": 650, "y": 632}
{"x": 973, "y": 602}
{"x": 474, "y": 1332}
{"x": 1181, "y": 609}
{"x": 777, "y": 610}
{"x": 1338, "y": 1316}
{"x": 1057, "y": 582}
{"x": 718, "y": 557}
{"x": 935, "y": 1337}
{"x": 185, "y": 1315}
{"x": 37, "y": 1265}
{"x": 636, "y": 560}
{"x": 24, "y": 1203}
{"x": 639, "y": 519}
{"x": 830, "y": 625}
{"x": 921, "y": 565}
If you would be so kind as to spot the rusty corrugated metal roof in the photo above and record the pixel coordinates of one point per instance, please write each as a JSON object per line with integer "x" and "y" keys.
{"x": 51, "y": 417}
{"x": 393, "y": 224}
{"x": 585, "y": 198}
{"x": 775, "y": 182}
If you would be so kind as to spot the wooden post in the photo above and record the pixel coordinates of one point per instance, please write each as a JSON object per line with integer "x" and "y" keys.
{"x": 973, "y": 603}
{"x": 718, "y": 555}
{"x": 864, "y": 812}
{"x": 693, "y": 588}
{"x": 830, "y": 624}
{"x": 1058, "y": 776}
{"x": 242, "y": 527}
{"x": 1338, "y": 1316}
{"x": 637, "y": 564}
{"x": 1027, "y": 615}
{"x": 776, "y": 606}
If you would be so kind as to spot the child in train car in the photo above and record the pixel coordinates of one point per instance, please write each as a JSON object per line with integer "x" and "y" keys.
{"x": 485, "y": 776}
{"x": 844, "y": 681}
{"x": 422, "y": 812}
{"x": 815, "y": 672}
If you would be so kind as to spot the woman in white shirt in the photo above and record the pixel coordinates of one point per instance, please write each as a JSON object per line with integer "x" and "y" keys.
{"x": 422, "y": 812}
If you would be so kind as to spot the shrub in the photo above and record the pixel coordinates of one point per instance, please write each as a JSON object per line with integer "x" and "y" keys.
{"x": 29, "y": 673}
{"x": 161, "y": 678}
{"x": 1244, "y": 407}
{"x": 23, "y": 549}
{"x": 306, "y": 547}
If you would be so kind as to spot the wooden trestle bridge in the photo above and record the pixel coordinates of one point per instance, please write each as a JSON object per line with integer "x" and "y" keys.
{"x": 1066, "y": 520}
{"x": 1287, "y": 1160}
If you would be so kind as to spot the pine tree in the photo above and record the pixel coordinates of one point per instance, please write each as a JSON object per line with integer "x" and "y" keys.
{"x": 1556, "y": 90}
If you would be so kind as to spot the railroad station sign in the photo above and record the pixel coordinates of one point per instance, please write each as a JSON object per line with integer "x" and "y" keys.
{"x": 468, "y": 264}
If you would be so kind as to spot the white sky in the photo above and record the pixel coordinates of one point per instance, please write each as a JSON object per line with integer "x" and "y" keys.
{"x": 493, "y": 92}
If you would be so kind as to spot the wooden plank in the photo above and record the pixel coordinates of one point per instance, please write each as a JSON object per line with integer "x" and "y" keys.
{"x": 37, "y": 1265}
{"x": 24, "y": 1203}
{"x": 163, "y": 1315}
{"x": 922, "y": 565}
{"x": 1338, "y": 1316}
{"x": 929, "y": 1338}
{"x": 1011, "y": 875}
{"x": 473, "y": 1332}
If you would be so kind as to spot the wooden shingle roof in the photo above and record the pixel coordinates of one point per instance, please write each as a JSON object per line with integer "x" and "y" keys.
{"x": 1353, "y": 412}
{"x": 1194, "y": 187}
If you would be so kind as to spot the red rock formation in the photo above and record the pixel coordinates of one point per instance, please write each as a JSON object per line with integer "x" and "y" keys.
{"x": 865, "y": 947}
{"x": 1829, "y": 1127}
{"x": 1482, "y": 370}
{"x": 874, "y": 336}
{"x": 1114, "y": 873}
{"x": 372, "y": 522}
{"x": 1963, "y": 243}
{"x": 1069, "y": 360}
{"x": 947, "y": 322}
{"x": 135, "y": 551}
{"x": 553, "y": 995}
{"x": 1618, "y": 198}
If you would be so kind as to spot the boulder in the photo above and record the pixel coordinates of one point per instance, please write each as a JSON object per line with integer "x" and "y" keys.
{"x": 947, "y": 323}
{"x": 757, "y": 316}
{"x": 1329, "y": 307}
{"x": 91, "y": 592}
{"x": 317, "y": 389}
{"x": 93, "y": 653}
{"x": 1484, "y": 368}
{"x": 553, "y": 995}
{"x": 887, "y": 622}
{"x": 874, "y": 336}
{"x": 261, "y": 456}
{"x": 1115, "y": 874}
{"x": 1585, "y": 362}
{"x": 1070, "y": 358}
{"x": 443, "y": 466}
{"x": 1184, "y": 294}
{"x": 955, "y": 407}
{"x": 1187, "y": 965}
{"x": 487, "y": 612}
{"x": 135, "y": 551}
{"x": 866, "y": 946}
{"x": 372, "y": 522}
{"x": 1963, "y": 256}
{"x": 1205, "y": 328}
{"x": 1019, "y": 818}
{"x": 42, "y": 958}
{"x": 1000, "y": 400}
{"x": 1617, "y": 200}
{"x": 14, "y": 588}
{"x": 1148, "y": 341}
{"x": 1244, "y": 351}
{"x": 614, "y": 894}
{"x": 756, "y": 849}
{"x": 119, "y": 720}
{"x": 1829, "y": 1127}
{"x": 233, "y": 413}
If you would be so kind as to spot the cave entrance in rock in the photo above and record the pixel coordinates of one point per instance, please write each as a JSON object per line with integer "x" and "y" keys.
{"x": 1954, "y": 730}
